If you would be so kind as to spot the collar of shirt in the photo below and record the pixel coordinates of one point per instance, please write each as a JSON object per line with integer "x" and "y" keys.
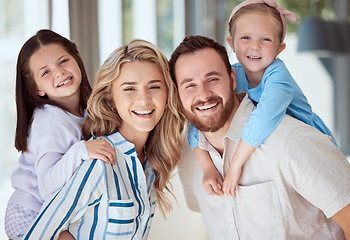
{"x": 238, "y": 121}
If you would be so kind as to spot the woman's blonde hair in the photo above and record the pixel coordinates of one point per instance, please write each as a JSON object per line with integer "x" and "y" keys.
{"x": 163, "y": 147}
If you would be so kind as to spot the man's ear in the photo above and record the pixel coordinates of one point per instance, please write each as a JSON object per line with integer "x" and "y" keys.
{"x": 229, "y": 40}
{"x": 40, "y": 92}
{"x": 233, "y": 77}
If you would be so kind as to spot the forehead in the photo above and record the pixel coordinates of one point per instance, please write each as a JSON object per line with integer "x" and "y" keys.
{"x": 259, "y": 21}
{"x": 198, "y": 63}
{"x": 139, "y": 71}
{"x": 46, "y": 53}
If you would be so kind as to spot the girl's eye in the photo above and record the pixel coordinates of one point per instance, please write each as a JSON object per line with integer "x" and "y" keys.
{"x": 245, "y": 37}
{"x": 45, "y": 73}
{"x": 267, "y": 39}
{"x": 63, "y": 61}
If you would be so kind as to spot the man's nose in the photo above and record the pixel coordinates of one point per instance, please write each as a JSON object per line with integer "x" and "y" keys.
{"x": 203, "y": 92}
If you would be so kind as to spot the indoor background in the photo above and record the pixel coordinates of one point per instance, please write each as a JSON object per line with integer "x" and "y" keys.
{"x": 318, "y": 60}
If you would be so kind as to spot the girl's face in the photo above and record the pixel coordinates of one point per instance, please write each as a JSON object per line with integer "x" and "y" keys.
{"x": 140, "y": 96}
{"x": 56, "y": 73}
{"x": 256, "y": 42}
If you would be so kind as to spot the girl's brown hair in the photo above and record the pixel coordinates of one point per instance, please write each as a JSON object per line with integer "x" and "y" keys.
{"x": 26, "y": 96}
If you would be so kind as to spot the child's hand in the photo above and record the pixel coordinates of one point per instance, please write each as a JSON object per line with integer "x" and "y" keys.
{"x": 101, "y": 149}
{"x": 231, "y": 179}
{"x": 212, "y": 182}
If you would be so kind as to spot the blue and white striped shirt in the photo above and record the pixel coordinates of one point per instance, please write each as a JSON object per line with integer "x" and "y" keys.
{"x": 102, "y": 201}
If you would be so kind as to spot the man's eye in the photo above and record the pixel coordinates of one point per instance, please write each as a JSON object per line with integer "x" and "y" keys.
{"x": 212, "y": 79}
{"x": 189, "y": 86}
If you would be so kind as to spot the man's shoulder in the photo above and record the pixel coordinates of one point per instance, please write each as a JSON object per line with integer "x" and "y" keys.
{"x": 292, "y": 128}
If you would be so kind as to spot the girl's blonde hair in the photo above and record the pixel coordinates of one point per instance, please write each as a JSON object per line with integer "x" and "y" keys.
{"x": 257, "y": 8}
{"x": 163, "y": 147}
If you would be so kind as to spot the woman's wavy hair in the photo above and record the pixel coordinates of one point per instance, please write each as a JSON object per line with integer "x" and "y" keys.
{"x": 163, "y": 147}
{"x": 27, "y": 98}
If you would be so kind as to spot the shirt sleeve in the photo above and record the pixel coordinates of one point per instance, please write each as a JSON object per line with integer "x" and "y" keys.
{"x": 318, "y": 171}
{"x": 276, "y": 95}
{"x": 69, "y": 203}
{"x": 56, "y": 143}
{"x": 192, "y": 136}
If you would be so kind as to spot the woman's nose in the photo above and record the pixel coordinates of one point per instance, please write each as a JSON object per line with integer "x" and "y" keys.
{"x": 144, "y": 95}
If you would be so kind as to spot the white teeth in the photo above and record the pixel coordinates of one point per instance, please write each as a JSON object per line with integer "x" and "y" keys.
{"x": 143, "y": 112}
{"x": 207, "y": 107}
{"x": 254, "y": 58}
{"x": 65, "y": 82}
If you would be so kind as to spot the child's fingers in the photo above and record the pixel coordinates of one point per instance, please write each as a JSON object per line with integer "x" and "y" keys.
{"x": 217, "y": 188}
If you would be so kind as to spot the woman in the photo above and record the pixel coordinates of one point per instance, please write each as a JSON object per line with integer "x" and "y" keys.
{"x": 135, "y": 107}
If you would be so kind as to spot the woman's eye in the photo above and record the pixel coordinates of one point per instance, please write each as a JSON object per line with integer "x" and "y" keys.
{"x": 154, "y": 87}
{"x": 129, "y": 89}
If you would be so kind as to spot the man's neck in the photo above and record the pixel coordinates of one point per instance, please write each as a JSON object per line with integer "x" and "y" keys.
{"x": 216, "y": 138}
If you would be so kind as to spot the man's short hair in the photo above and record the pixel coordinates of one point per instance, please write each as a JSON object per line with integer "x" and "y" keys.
{"x": 191, "y": 44}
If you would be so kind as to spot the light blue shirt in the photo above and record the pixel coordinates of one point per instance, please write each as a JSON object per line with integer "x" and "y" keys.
{"x": 277, "y": 94}
{"x": 102, "y": 201}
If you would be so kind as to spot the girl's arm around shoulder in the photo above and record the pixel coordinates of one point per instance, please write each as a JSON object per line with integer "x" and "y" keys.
{"x": 343, "y": 219}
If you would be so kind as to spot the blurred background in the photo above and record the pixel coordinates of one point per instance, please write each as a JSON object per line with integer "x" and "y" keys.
{"x": 317, "y": 55}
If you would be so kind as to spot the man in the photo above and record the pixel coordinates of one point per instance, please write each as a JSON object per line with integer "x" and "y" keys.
{"x": 296, "y": 185}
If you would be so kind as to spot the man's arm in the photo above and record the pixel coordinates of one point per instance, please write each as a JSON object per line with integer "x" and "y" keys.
{"x": 343, "y": 219}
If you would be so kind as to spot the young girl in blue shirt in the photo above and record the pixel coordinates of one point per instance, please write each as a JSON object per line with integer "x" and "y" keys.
{"x": 256, "y": 33}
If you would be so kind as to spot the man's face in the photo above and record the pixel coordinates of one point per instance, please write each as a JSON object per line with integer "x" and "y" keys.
{"x": 206, "y": 89}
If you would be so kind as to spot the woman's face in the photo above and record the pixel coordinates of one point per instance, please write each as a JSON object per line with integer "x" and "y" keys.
{"x": 140, "y": 96}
